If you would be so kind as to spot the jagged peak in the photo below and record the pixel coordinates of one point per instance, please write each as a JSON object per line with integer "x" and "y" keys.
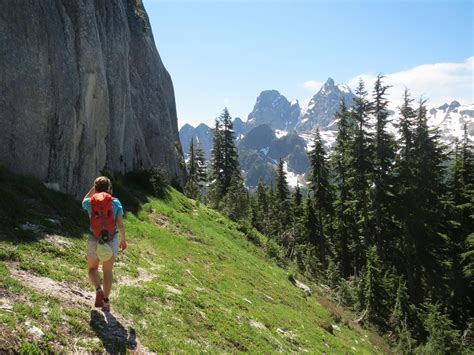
{"x": 329, "y": 82}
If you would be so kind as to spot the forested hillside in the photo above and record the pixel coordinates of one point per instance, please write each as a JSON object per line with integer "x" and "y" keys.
{"x": 387, "y": 222}
{"x": 190, "y": 281}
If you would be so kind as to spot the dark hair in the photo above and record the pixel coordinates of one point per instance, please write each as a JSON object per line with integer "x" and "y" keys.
{"x": 103, "y": 184}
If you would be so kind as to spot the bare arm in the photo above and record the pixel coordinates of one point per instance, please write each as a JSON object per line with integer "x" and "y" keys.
{"x": 123, "y": 243}
{"x": 90, "y": 193}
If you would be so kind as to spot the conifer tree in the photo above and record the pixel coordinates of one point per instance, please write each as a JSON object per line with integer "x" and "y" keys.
{"x": 261, "y": 207}
{"x": 225, "y": 158}
{"x": 427, "y": 213}
{"x": 216, "y": 188}
{"x": 282, "y": 194}
{"x": 384, "y": 155}
{"x": 320, "y": 186}
{"x": 230, "y": 155}
{"x": 319, "y": 176}
{"x": 360, "y": 172}
{"x": 461, "y": 226}
{"x": 196, "y": 171}
{"x": 296, "y": 204}
{"x": 373, "y": 288}
{"x": 344, "y": 225}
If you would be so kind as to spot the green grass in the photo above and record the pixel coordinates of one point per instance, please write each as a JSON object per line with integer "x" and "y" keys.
{"x": 223, "y": 281}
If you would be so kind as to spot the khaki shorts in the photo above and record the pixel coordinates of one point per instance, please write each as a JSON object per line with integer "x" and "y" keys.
{"x": 92, "y": 246}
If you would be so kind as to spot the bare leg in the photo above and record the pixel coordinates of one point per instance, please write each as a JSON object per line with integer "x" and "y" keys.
{"x": 107, "y": 269}
{"x": 93, "y": 265}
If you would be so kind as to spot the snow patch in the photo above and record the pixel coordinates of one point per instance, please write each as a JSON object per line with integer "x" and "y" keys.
{"x": 279, "y": 133}
{"x": 265, "y": 150}
{"x": 344, "y": 88}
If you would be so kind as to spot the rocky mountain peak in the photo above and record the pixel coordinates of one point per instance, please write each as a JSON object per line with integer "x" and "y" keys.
{"x": 329, "y": 82}
{"x": 323, "y": 105}
{"x": 275, "y": 110}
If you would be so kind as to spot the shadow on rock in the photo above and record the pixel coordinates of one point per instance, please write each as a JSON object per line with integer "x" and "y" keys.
{"x": 115, "y": 338}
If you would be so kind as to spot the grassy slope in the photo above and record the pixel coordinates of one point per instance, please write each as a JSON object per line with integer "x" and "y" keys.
{"x": 219, "y": 281}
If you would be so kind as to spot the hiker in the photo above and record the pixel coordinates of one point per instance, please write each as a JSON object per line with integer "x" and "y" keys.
{"x": 106, "y": 224}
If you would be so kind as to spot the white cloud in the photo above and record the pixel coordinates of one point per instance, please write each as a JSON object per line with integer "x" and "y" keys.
{"x": 439, "y": 83}
{"x": 312, "y": 85}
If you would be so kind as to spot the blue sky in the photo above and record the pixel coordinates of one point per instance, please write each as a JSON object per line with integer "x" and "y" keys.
{"x": 224, "y": 53}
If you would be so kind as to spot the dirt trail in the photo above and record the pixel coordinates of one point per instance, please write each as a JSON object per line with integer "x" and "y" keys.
{"x": 115, "y": 332}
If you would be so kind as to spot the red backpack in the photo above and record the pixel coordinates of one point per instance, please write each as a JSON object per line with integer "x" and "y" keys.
{"x": 102, "y": 216}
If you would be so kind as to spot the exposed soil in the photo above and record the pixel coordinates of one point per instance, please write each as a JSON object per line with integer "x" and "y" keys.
{"x": 115, "y": 332}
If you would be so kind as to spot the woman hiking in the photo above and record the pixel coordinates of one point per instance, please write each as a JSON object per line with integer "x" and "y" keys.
{"x": 106, "y": 233}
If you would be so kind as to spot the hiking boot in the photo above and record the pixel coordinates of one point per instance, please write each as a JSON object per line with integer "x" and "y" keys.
{"x": 99, "y": 298}
{"x": 106, "y": 306}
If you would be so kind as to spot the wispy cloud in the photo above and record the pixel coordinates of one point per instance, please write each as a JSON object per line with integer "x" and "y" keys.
{"x": 439, "y": 82}
{"x": 312, "y": 85}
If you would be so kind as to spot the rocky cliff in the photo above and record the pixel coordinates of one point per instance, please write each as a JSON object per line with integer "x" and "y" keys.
{"x": 83, "y": 90}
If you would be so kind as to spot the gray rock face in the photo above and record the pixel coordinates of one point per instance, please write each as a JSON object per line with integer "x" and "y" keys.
{"x": 82, "y": 90}
{"x": 323, "y": 106}
{"x": 275, "y": 110}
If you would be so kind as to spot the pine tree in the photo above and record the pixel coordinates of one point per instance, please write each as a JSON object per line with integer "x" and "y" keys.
{"x": 216, "y": 188}
{"x": 235, "y": 203}
{"x": 319, "y": 176}
{"x": 360, "y": 172}
{"x": 405, "y": 186}
{"x": 196, "y": 171}
{"x": 282, "y": 194}
{"x": 312, "y": 229}
{"x": 443, "y": 338}
{"x": 201, "y": 165}
{"x": 261, "y": 207}
{"x": 345, "y": 229}
{"x": 374, "y": 294}
{"x": 296, "y": 204}
{"x": 225, "y": 158}
{"x": 320, "y": 186}
{"x": 230, "y": 155}
{"x": 384, "y": 155}
{"x": 461, "y": 225}
{"x": 428, "y": 213}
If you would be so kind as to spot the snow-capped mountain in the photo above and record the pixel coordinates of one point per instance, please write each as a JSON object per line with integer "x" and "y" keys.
{"x": 324, "y": 104}
{"x": 275, "y": 110}
{"x": 450, "y": 120}
{"x": 279, "y": 128}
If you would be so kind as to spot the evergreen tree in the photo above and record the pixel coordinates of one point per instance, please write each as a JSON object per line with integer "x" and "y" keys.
{"x": 344, "y": 224}
{"x": 374, "y": 294}
{"x": 225, "y": 159}
{"x": 296, "y": 204}
{"x": 229, "y": 150}
{"x": 428, "y": 212}
{"x": 196, "y": 171}
{"x": 461, "y": 225}
{"x": 320, "y": 186}
{"x": 261, "y": 207}
{"x": 235, "y": 203}
{"x": 360, "y": 172}
{"x": 216, "y": 188}
{"x": 319, "y": 176}
{"x": 282, "y": 194}
{"x": 443, "y": 338}
{"x": 384, "y": 155}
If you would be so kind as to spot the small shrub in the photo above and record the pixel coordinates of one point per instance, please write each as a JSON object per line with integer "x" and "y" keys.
{"x": 250, "y": 233}
{"x": 153, "y": 181}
